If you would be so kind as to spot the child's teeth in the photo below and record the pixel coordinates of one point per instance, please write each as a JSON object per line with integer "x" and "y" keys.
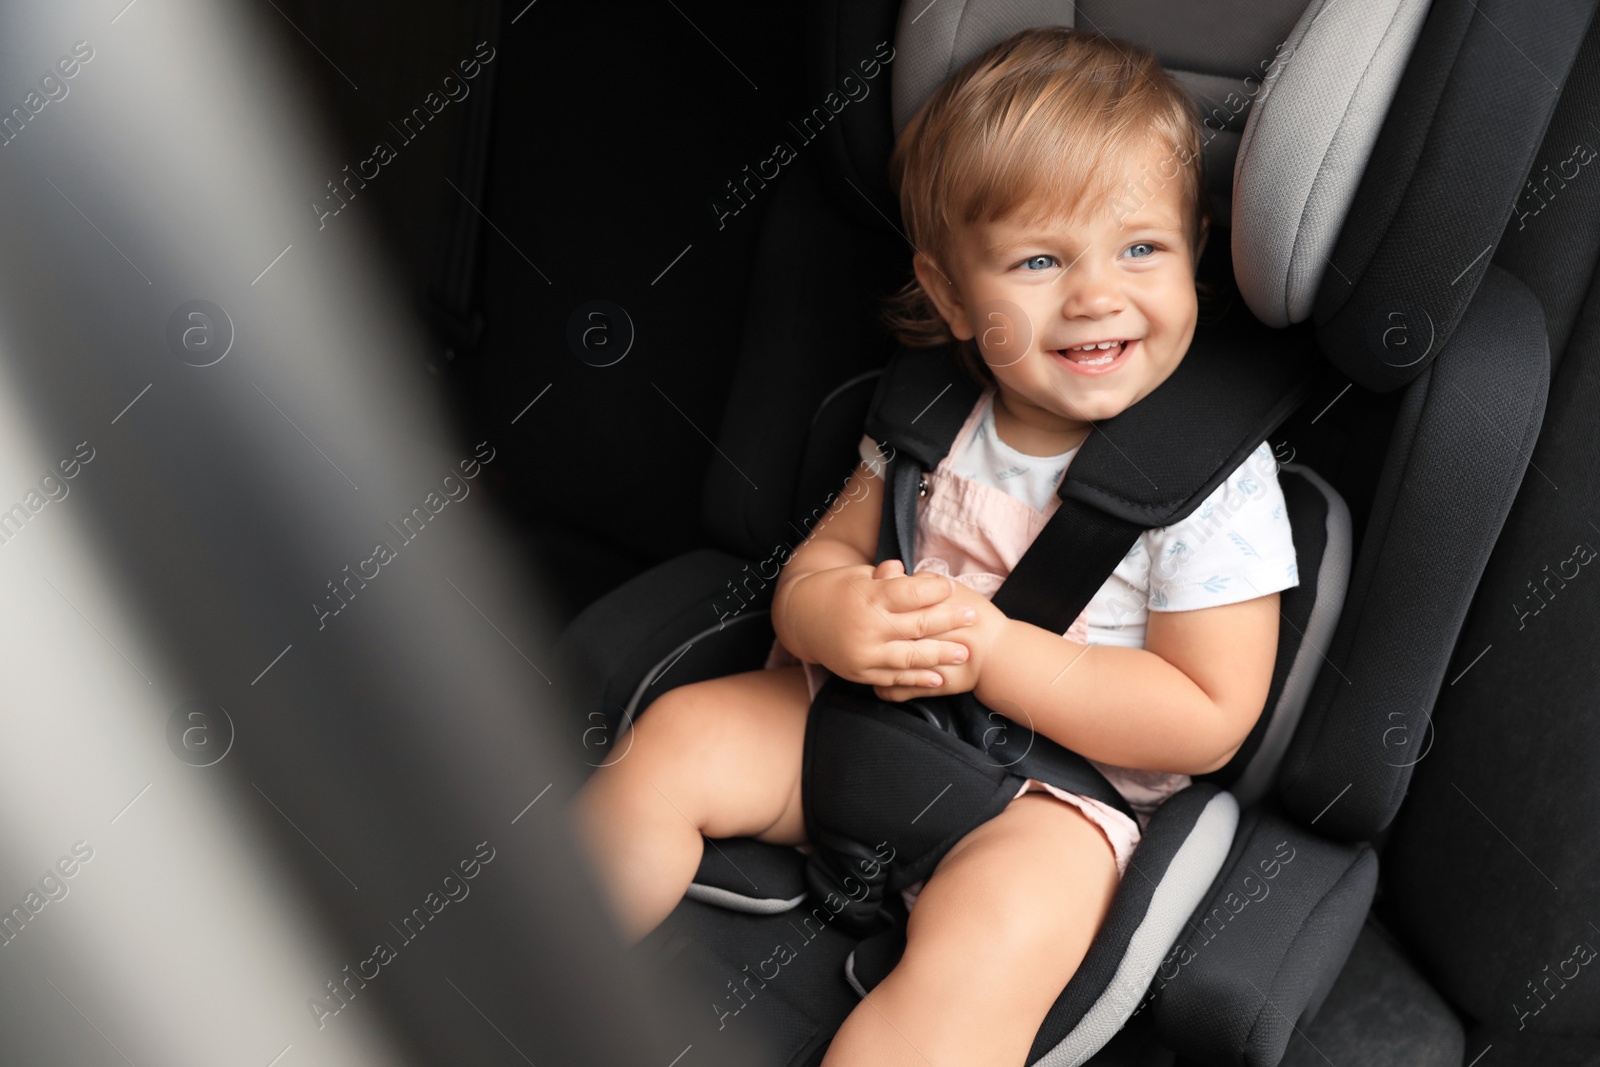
{"x": 1112, "y": 350}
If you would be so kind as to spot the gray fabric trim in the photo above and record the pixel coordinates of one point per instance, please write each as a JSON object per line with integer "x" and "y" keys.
{"x": 1225, "y": 39}
{"x": 858, "y": 379}
{"x": 726, "y": 898}
{"x": 672, "y": 657}
{"x": 1187, "y": 881}
{"x": 850, "y": 975}
{"x": 1333, "y": 580}
{"x": 1224, "y": 106}
{"x": 1211, "y": 92}
{"x": 706, "y": 894}
{"x": 696, "y": 891}
{"x": 933, "y": 39}
{"x": 1306, "y": 145}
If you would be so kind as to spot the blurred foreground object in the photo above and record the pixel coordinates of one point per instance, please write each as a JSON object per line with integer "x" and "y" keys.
{"x": 276, "y": 780}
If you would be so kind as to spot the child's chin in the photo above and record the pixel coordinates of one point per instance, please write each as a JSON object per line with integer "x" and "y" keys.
{"x": 1095, "y": 404}
{"x": 1100, "y": 413}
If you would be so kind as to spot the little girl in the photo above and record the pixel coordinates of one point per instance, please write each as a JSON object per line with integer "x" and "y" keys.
{"x": 1052, "y": 191}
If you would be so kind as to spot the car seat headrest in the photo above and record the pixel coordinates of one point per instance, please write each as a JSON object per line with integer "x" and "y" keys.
{"x": 1307, "y": 144}
{"x": 1287, "y": 169}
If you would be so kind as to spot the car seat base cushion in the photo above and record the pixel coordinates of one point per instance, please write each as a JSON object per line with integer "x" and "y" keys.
{"x": 1259, "y": 955}
{"x": 743, "y": 874}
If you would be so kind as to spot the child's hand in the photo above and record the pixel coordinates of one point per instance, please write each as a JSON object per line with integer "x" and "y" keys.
{"x": 872, "y": 625}
{"x": 978, "y": 637}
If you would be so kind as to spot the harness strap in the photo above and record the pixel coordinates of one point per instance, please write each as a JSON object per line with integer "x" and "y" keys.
{"x": 888, "y": 788}
{"x": 972, "y": 759}
{"x": 897, "y": 530}
{"x": 1066, "y": 565}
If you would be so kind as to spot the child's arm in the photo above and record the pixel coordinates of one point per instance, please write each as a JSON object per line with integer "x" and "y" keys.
{"x": 1184, "y": 703}
{"x": 833, "y": 607}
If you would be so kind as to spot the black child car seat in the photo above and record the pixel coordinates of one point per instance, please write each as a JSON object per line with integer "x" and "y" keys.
{"x": 1354, "y": 132}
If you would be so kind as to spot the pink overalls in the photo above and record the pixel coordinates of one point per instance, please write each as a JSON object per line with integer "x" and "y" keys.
{"x": 975, "y": 534}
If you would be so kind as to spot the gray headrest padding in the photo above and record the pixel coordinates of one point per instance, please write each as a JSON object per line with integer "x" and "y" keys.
{"x": 933, "y": 40}
{"x": 1306, "y": 145}
{"x": 1333, "y": 582}
{"x": 1281, "y": 176}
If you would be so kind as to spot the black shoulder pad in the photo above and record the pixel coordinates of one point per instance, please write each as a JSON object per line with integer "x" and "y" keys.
{"x": 923, "y": 397}
{"x": 1156, "y": 461}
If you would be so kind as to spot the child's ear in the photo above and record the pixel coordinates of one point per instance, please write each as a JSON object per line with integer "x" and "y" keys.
{"x": 938, "y": 286}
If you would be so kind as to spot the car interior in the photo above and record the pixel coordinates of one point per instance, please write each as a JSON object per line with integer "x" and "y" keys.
{"x": 1380, "y": 765}
{"x": 620, "y": 269}
{"x": 1381, "y": 197}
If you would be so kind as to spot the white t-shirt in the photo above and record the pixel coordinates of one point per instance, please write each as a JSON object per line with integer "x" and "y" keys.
{"x": 1235, "y": 546}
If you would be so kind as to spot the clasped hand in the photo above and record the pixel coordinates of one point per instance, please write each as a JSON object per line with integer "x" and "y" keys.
{"x": 905, "y": 635}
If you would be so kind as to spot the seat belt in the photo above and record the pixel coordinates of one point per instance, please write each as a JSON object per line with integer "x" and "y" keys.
{"x": 889, "y": 787}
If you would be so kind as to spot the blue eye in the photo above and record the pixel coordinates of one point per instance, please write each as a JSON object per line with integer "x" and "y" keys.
{"x": 1035, "y": 259}
{"x": 1143, "y": 244}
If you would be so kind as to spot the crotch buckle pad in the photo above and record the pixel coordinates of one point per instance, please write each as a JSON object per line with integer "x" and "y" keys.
{"x": 886, "y": 793}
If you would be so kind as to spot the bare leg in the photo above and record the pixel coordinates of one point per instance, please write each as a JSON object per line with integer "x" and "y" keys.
{"x": 1003, "y": 923}
{"x": 720, "y": 758}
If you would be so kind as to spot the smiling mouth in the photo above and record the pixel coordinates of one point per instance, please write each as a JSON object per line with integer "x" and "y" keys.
{"x": 1095, "y": 358}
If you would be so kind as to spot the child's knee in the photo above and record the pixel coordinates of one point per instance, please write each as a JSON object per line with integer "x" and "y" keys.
{"x": 692, "y": 736}
{"x": 675, "y": 716}
{"x": 1018, "y": 891}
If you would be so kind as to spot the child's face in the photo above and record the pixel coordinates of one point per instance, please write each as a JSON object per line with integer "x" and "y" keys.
{"x": 1029, "y": 291}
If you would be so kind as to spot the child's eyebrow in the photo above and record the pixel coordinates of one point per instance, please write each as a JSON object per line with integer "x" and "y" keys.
{"x": 1003, "y": 249}
{"x": 1161, "y": 224}
{"x": 1149, "y": 224}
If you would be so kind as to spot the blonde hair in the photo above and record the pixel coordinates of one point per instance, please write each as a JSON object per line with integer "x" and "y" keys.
{"x": 1031, "y": 123}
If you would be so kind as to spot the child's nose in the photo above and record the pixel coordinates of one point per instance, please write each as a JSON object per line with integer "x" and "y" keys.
{"x": 1093, "y": 293}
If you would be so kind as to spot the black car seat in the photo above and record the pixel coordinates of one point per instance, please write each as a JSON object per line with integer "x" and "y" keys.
{"x": 1359, "y": 164}
{"x": 1492, "y": 881}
